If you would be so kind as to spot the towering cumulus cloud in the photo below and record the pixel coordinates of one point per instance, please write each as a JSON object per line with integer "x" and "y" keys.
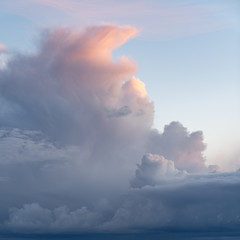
{"x": 74, "y": 126}
{"x": 72, "y": 89}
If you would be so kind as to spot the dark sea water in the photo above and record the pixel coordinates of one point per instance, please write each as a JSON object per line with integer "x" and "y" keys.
{"x": 139, "y": 236}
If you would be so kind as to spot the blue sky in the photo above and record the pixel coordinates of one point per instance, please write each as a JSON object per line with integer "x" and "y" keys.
{"x": 188, "y": 55}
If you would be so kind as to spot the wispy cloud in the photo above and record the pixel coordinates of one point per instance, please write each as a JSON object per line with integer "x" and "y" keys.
{"x": 163, "y": 19}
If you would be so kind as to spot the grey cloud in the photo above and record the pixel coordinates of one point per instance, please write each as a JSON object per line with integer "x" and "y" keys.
{"x": 195, "y": 203}
{"x": 61, "y": 191}
{"x": 33, "y": 218}
{"x": 123, "y": 111}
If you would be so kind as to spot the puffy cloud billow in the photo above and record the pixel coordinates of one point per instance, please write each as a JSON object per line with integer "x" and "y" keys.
{"x": 79, "y": 154}
{"x": 154, "y": 170}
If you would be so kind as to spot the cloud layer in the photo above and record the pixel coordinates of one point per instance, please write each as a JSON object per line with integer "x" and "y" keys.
{"x": 75, "y": 125}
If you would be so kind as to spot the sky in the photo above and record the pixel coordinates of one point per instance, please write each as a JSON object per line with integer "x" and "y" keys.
{"x": 119, "y": 117}
{"x": 185, "y": 49}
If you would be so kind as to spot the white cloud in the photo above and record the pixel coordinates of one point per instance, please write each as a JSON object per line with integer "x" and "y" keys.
{"x": 154, "y": 170}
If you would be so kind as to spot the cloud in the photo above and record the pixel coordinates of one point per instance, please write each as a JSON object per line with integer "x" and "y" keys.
{"x": 154, "y": 170}
{"x": 177, "y": 144}
{"x": 80, "y": 83}
{"x": 3, "y": 56}
{"x": 65, "y": 92}
{"x": 161, "y": 19}
{"x": 75, "y": 127}
{"x": 34, "y": 218}
{"x": 196, "y": 203}
{"x": 3, "y": 48}
{"x": 213, "y": 168}
{"x": 56, "y": 133}
{"x": 123, "y": 111}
